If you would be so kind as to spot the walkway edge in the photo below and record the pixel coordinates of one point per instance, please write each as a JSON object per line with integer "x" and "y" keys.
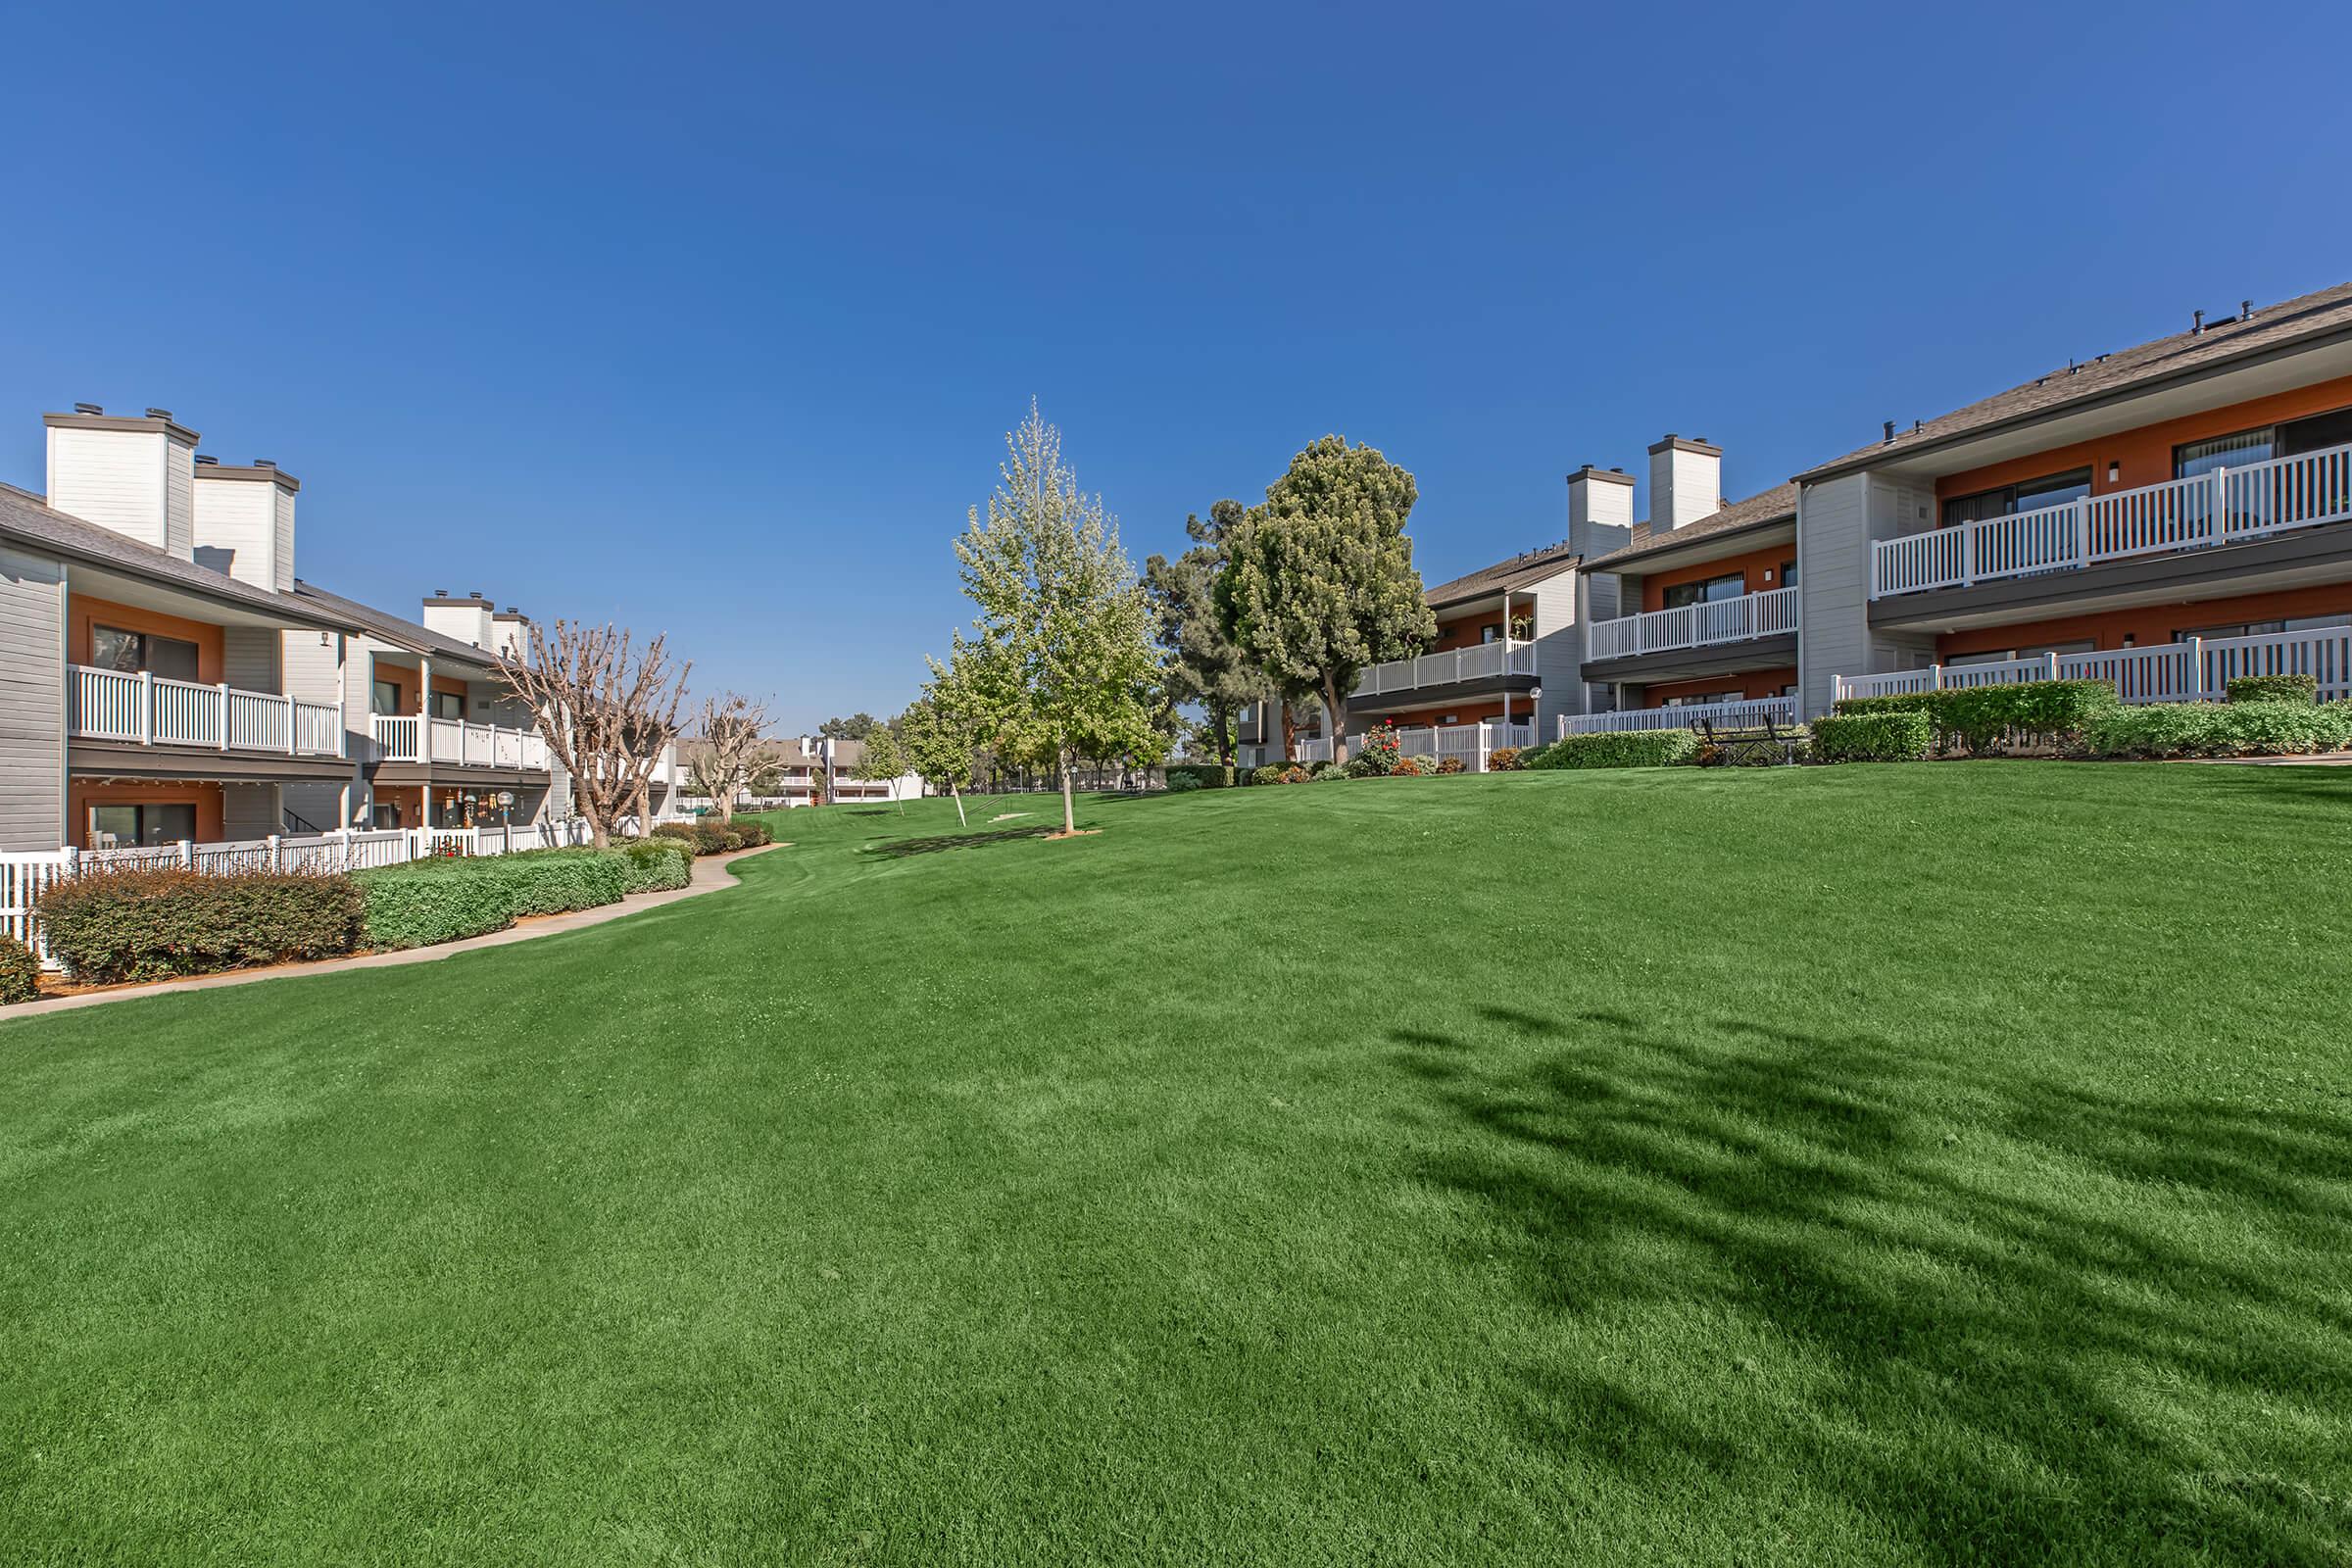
{"x": 710, "y": 873}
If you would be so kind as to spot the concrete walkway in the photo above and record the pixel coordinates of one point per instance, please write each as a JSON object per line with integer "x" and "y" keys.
{"x": 710, "y": 873}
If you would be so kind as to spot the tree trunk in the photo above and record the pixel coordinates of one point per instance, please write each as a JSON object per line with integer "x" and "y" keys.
{"x": 1289, "y": 731}
{"x": 1069, "y": 798}
{"x": 1221, "y": 717}
{"x": 961, "y": 819}
{"x": 1335, "y": 703}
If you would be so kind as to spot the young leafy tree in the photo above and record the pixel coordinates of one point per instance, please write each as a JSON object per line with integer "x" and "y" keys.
{"x": 1060, "y": 659}
{"x": 1204, "y": 665}
{"x": 882, "y": 761}
{"x": 1319, "y": 581}
{"x": 941, "y": 739}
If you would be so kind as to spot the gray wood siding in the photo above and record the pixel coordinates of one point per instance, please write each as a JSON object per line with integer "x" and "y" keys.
{"x": 249, "y": 811}
{"x": 1833, "y": 546}
{"x": 249, "y": 657}
{"x": 32, "y": 702}
{"x": 1559, "y": 652}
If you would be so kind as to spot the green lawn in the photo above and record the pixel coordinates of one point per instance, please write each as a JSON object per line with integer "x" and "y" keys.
{"x": 1817, "y": 1165}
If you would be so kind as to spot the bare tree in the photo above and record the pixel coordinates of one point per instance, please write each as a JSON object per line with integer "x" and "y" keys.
{"x": 733, "y": 728}
{"x": 607, "y": 709}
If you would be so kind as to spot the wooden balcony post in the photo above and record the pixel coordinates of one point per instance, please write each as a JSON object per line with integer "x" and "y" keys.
{"x": 146, "y": 708}
{"x": 222, "y": 689}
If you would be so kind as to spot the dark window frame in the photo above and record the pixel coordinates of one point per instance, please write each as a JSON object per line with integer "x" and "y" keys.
{"x": 1956, "y": 510}
{"x": 143, "y": 646}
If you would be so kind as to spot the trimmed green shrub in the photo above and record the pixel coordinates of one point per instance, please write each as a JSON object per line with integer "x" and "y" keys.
{"x": 2274, "y": 689}
{"x": 1183, "y": 781}
{"x": 1270, "y": 773}
{"x": 657, "y": 864}
{"x": 20, "y": 972}
{"x": 1896, "y": 736}
{"x": 1983, "y": 718}
{"x": 152, "y": 925}
{"x": 1617, "y": 748}
{"x": 426, "y": 902}
{"x": 1204, "y": 775}
{"x": 711, "y": 836}
{"x": 2222, "y": 729}
{"x": 1326, "y": 770}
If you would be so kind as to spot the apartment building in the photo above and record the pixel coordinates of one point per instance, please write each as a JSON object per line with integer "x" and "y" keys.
{"x": 2164, "y": 516}
{"x": 809, "y": 770}
{"x": 166, "y": 677}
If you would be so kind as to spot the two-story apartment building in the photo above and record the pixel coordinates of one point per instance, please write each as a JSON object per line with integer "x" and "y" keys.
{"x": 165, "y": 676}
{"x": 2165, "y": 515}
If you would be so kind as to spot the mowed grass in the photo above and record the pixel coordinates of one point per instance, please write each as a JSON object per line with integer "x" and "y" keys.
{"x": 1856, "y": 1165}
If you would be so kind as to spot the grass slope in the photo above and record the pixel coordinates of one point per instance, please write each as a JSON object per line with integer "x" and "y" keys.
{"x": 1831, "y": 1166}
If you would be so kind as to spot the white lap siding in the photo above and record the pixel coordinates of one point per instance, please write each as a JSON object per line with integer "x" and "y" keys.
{"x": 32, "y": 702}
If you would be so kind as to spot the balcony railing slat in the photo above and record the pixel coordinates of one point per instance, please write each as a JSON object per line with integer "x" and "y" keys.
{"x": 1745, "y": 618}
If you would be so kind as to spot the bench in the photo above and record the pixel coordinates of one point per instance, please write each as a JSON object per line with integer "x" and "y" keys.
{"x": 1759, "y": 745}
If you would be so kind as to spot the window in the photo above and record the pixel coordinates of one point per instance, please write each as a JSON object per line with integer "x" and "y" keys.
{"x": 1489, "y": 634}
{"x": 169, "y": 657}
{"x": 448, "y": 704}
{"x": 1788, "y": 573}
{"x": 2029, "y": 494}
{"x": 1680, "y": 594}
{"x": 2223, "y": 451}
{"x": 2317, "y": 433}
{"x": 121, "y": 826}
{"x": 2258, "y": 628}
{"x": 383, "y": 697}
{"x": 1699, "y": 699}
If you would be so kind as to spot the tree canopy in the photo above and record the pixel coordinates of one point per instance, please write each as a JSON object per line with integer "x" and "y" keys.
{"x": 856, "y": 727}
{"x": 1320, "y": 580}
{"x": 1204, "y": 664}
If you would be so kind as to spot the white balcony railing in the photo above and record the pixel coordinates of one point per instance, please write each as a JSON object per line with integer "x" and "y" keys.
{"x": 1770, "y": 614}
{"x": 2193, "y": 669}
{"x": 2226, "y": 507}
{"x": 1741, "y": 715}
{"x": 406, "y": 737}
{"x": 1485, "y": 662}
{"x": 1473, "y": 743}
{"x": 114, "y": 705}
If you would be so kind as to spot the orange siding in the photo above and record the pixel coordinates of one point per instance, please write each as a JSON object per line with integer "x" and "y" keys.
{"x": 2145, "y": 456}
{"x": 1761, "y": 568}
{"x": 2150, "y": 624}
{"x": 84, "y": 613}
{"x": 81, "y": 797}
{"x": 1748, "y": 683}
{"x": 1471, "y": 630}
{"x": 1486, "y": 711}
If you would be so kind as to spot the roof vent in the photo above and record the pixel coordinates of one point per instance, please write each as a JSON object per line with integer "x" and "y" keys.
{"x": 1889, "y": 428}
{"x": 159, "y": 413}
{"x": 263, "y": 462}
{"x": 440, "y": 593}
{"x": 1918, "y": 425}
{"x": 477, "y": 593}
{"x": 2196, "y": 323}
{"x": 2245, "y": 309}
{"x": 511, "y": 610}
{"x": 87, "y": 407}
{"x": 207, "y": 461}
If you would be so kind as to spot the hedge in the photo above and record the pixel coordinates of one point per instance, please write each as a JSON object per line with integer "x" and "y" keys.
{"x": 153, "y": 924}
{"x": 1200, "y": 775}
{"x": 1269, "y": 774}
{"x": 20, "y": 972}
{"x": 2274, "y": 689}
{"x": 1982, "y": 717}
{"x": 1885, "y": 736}
{"x": 425, "y": 901}
{"x": 657, "y": 864}
{"x": 1624, "y": 747}
{"x": 2218, "y": 729}
{"x": 709, "y": 836}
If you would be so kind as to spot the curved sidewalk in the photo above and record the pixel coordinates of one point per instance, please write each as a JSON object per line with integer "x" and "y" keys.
{"x": 710, "y": 874}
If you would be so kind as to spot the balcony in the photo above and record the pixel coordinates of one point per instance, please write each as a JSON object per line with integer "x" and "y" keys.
{"x": 112, "y": 704}
{"x": 413, "y": 737}
{"x": 1770, "y": 614}
{"x": 2226, "y": 507}
{"x": 2192, "y": 669}
{"x": 1728, "y": 716}
{"x": 1485, "y": 662}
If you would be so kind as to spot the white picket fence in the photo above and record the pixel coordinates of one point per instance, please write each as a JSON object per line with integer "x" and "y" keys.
{"x": 23, "y": 877}
{"x": 1746, "y": 714}
{"x": 1471, "y": 743}
{"x": 2193, "y": 669}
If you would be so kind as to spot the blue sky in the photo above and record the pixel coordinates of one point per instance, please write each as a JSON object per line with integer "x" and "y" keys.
{"x": 713, "y": 320}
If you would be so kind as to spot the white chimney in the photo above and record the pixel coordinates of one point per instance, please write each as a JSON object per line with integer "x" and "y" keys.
{"x": 465, "y": 620}
{"x": 1686, "y": 483}
{"x": 245, "y": 522}
{"x": 133, "y": 475}
{"x": 1600, "y": 511}
{"x": 510, "y": 634}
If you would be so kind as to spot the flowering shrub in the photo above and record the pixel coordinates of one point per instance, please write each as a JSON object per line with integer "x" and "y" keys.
{"x": 1450, "y": 764}
{"x": 1378, "y": 754}
{"x": 1405, "y": 768}
{"x": 1503, "y": 759}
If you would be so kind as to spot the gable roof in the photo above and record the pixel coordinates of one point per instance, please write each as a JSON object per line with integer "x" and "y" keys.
{"x": 388, "y": 627}
{"x": 1504, "y": 576}
{"x": 2323, "y": 313}
{"x": 1775, "y": 506}
{"x": 26, "y": 518}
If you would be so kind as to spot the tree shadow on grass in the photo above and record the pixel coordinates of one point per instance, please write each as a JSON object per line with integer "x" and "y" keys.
{"x": 1970, "y": 1304}
{"x": 900, "y": 849}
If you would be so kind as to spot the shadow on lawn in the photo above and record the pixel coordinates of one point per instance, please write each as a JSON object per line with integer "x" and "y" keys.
{"x": 900, "y": 849}
{"x": 2004, "y": 1364}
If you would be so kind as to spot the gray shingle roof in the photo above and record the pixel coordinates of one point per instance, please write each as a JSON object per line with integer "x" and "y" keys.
{"x": 388, "y": 627}
{"x": 1776, "y": 505}
{"x": 2325, "y": 312}
{"x": 1532, "y": 566}
{"x": 26, "y": 519}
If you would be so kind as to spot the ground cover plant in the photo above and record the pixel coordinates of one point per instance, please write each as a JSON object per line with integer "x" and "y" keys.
{"x": 1781, "y": 1165}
